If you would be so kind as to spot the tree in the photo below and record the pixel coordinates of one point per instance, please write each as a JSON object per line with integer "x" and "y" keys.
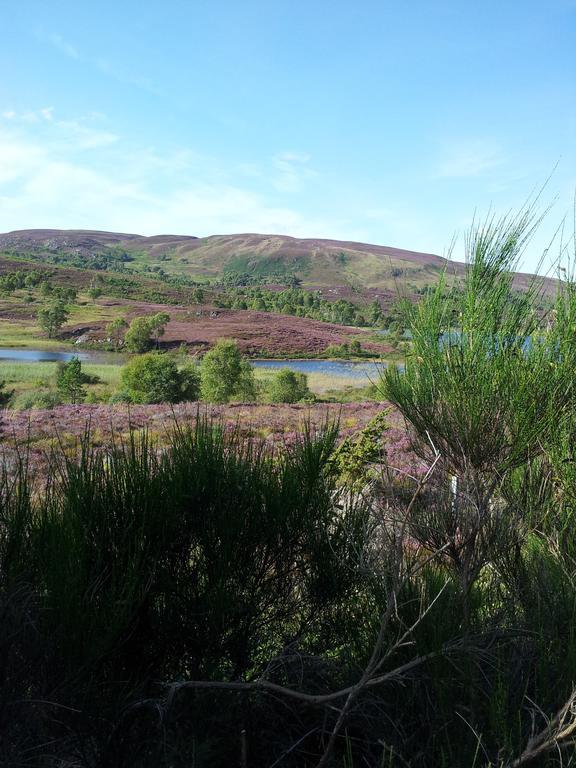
{"x": 375, "y": 313}
{"x": 116, "y": 330}
{"x": 355, "y": 347}
{"x": 155, "y": 378}
{"x": 288, "y": 387}
{"x": 483, "y": 398}
{"x": 52, "y": 318}
{"x": 46, "y": 289}
{"x": 198, "y": 296}
{"x": 70, "y": 380}
{"x": 94, "y": 292}
{"x": 226, "y": 375}
{"x": 66, "y": 294}
{"x": 138, "y": 337}
{"x": 157, "y": 325}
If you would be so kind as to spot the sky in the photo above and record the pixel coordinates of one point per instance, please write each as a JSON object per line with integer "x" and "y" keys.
{"x": 385, "y": 122}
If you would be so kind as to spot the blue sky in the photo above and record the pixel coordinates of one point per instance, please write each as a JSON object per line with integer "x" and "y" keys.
{"x": 376, "y": 121}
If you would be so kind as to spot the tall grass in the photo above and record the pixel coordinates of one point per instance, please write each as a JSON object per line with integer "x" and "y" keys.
{"x": 138, "y": 565}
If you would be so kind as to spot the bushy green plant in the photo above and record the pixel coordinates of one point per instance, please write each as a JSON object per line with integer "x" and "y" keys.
{"x": 155, "y": 378}
{"x": 94, "y": 292}
{"x": 288, "y": 386}
{"x": 201, "y": 560}
{"x": 6, "y": 395}
{"x": 482, "y": 390}
{"x": 120, "y": 396}
{"x": 144, "y": 331}
{"x": 359, "y": 458}
{"x": 226, "y": 375}
{"x": 70, "y": 381}
{"x": 52, "y": 317}
{"x": 481, "y": 381}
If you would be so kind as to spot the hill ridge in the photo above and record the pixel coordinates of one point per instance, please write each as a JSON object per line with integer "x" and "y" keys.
{"x": 317, "y": 263}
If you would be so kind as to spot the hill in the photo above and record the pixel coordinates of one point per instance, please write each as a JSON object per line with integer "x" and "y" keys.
{"x": 342, "y": 268}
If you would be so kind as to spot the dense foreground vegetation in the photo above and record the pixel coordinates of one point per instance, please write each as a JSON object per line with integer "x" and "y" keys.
{"x": 211, "y": 602}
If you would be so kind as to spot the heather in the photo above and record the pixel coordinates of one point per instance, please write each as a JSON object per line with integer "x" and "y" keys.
{"x": 365, "y": 584}
{"x": 41, "y": 430}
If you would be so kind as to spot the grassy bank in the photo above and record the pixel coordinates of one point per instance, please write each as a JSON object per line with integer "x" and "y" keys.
{"x": 24, "y": 377}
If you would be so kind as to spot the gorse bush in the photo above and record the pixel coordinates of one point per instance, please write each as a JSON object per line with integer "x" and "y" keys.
{"x": 136, "y": 566}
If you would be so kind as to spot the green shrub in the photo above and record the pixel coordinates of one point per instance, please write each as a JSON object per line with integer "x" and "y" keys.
{"x": 52, "y": 317}
{"x": 199, "y": 560}
{"x": 226, "y": 375}
{"x": 120, "y": 396}
{"x": 116, "y": 329}
{"x": 70, "y": 381}
{"x": 6, "y": 395}
{"x": 155, "y": 378}
{"x": 288, "y": 386}
{"x": 145, "y": 331}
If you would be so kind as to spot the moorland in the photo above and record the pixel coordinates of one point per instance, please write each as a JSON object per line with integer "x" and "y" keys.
{"x": 203, "y": 564}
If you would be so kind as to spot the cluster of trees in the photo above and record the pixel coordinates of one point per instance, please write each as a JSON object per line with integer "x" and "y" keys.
{"x": 344, "y": 350}
{"x": 20, "y": 279}
{"x": 223, "y": 375}
{"x": 302, "y": 303}
{"x": 52, "y": 316}
{"x": 111, "y": 258}
{"x": 24, "y": 279}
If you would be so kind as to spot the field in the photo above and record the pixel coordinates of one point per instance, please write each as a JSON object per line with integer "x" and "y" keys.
{"x": 39, "y": 431}
{"x": 259, "y": 334}
{"x": 26, "y": 376}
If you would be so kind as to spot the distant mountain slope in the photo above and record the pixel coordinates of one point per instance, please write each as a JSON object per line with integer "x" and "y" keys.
{"x": 327, "y": 264}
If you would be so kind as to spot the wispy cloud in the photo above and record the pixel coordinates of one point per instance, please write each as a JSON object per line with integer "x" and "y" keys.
{"x": 48, "y": 180}
{"x": 62, "y": 45}
{"x": 78, "y": 134}
{"x": 99, "y": 63}
{"x": 470, "y": 159}
{"x": 291, "y": 171}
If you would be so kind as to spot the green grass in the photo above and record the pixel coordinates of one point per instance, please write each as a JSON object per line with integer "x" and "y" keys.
{"x": 26, "y": 376}
{"x": 16, "y": 334}
{"x": 319, "y": 383}
{"x": 23, "y": 331}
